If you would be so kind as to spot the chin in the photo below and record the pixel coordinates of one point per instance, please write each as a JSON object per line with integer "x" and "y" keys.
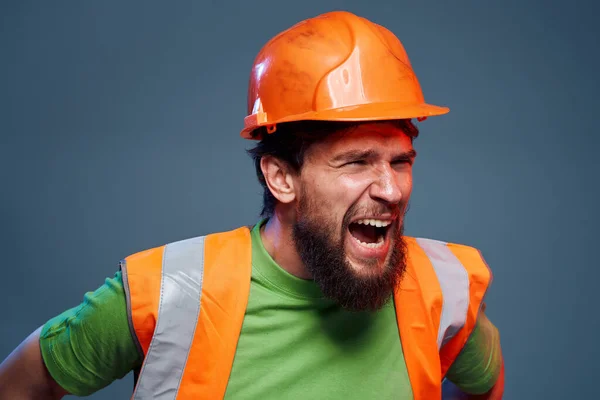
{"x": 367, "y": 267}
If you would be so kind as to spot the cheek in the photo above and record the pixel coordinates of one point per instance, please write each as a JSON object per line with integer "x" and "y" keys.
{"x": 334, "y": 188}
{"x": 353, "y": 184}
{"x": 322, "y": 195}
{"x": 346, "y": 191}
{"x": 407, "y": 186}
{"x": 333, "y": 197}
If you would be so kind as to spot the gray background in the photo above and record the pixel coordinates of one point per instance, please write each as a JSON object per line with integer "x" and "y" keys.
{"x": 120, "y": 128}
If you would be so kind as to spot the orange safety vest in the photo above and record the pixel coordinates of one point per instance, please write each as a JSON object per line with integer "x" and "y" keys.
{"x": 187, "y": 300}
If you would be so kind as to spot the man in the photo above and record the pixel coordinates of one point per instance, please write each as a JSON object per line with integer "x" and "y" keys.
{"x": 324, "y": 297}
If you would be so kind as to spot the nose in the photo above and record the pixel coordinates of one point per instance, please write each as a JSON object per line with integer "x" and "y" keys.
{"x": 386, "y": 186}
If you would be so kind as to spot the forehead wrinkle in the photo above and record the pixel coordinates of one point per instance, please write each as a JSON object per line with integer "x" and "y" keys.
{"x": 371, "y": 148}
{"x": 363, "y": 137}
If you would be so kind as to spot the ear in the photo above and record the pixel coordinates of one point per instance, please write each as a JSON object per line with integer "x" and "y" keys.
{"x": 279, "y": 178}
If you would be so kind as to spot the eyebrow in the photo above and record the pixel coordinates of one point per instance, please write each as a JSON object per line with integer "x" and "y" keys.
{"x": 369, "y": 154}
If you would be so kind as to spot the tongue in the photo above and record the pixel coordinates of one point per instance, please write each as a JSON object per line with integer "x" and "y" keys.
{"x": 364, "y": 233}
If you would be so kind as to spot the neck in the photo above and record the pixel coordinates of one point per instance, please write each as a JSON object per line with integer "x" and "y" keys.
{"x": 276, "y": 236}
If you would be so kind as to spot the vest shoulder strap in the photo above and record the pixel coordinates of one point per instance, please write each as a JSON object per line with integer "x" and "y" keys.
{"x": 187, "y": 302}
{"x": 438, "y": 301}
{"x": 480, "y": 279}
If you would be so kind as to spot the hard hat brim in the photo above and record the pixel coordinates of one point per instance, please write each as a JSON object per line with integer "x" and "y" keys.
{"x": 364, "y": 112}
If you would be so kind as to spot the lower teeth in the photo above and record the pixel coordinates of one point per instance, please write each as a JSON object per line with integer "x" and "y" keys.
{"x": 379, "y": 243}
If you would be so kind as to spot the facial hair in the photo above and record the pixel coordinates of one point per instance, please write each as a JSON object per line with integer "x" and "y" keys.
{"x": 324, "y": 256}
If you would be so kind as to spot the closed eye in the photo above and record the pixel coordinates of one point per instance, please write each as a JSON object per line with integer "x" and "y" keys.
{"x": 361, "y": 158}
{"x": 356, "y": 162}
{"x": 401, "y": 161}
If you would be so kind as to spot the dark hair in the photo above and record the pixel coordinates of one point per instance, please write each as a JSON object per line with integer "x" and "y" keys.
{"x": 290, "y": 142}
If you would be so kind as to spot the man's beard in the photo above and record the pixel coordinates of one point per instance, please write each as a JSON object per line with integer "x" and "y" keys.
{"x": 325, "y": 259}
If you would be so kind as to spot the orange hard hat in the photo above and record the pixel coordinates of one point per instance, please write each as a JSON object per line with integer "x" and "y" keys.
{"x": 333, "y": 67}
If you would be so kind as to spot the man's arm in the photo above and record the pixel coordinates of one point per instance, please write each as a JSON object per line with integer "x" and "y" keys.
{"x": 478, "y": 372}
{"x": 452, "y": 392}
{"x": 80, "y": 351}
{"x": 495, "y": 393}
{"x": 23, "y": 374}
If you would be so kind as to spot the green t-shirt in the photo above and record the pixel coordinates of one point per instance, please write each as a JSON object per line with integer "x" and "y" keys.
{"x": 294, "y": 343}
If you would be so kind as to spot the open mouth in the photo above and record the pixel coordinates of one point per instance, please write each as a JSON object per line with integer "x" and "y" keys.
{"x": 370, "y": 232}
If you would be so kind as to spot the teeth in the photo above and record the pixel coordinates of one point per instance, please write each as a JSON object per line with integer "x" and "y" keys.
{"x": 373, "y": 222}
{"x": 371, "y": 245}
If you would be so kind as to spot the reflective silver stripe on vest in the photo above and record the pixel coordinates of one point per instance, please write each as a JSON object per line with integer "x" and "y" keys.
{"x": 178, "y": 310}
{"x": 454, "y": 282}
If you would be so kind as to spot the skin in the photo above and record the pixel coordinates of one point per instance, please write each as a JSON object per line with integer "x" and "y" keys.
{"x": 374, "y": 186}
{"x": 23, "y": 374}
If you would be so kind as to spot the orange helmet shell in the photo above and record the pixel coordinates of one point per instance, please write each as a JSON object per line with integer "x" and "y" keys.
{"x": 333, "y": 67}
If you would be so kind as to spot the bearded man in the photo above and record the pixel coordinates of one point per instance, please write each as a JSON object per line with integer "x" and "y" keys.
{"x": 324, "y": 297}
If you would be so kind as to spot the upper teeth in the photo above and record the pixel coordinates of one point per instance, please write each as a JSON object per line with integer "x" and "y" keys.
{"x": 373, "y": 222}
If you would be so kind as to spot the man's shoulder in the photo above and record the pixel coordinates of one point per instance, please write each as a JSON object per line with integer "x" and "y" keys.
{"x": 430, "y": 242}
{"x": 448, "y": 253}
{"x": 219, "y": 236}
